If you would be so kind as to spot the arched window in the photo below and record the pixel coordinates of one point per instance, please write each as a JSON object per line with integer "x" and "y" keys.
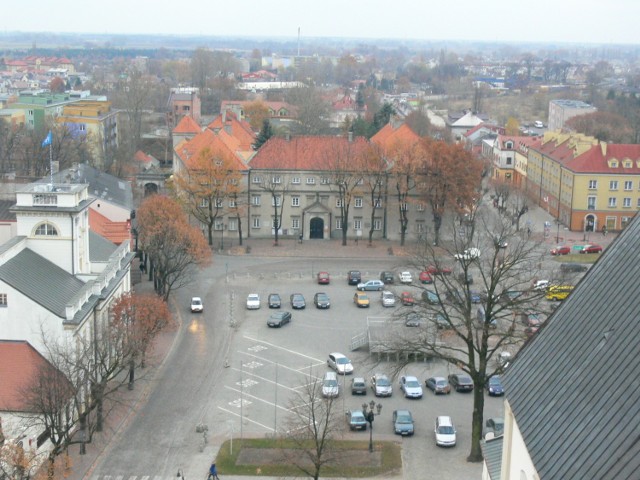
{"x": 46, "y": 229}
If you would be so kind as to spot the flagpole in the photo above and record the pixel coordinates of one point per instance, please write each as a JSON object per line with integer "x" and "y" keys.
{"x": 51, "y": 162}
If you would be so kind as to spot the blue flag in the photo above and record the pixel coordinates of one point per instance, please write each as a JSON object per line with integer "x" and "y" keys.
{"x": 47, "y": 141}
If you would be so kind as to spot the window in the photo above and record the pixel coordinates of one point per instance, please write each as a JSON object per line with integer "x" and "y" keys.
{"x": 47, "y": 230}
{"x": 377, "y": 224}
{"x": 360, "y": 181}
{"x": 276, "y": 179}
{"x": 218, "y": 203}
{"x": 295, "y": 201}
{"x": 357, "y": 224}
{"x": 404, "y": 207}
{"x": 339, "y": 203}
{"x": 3, "y": 299}
{"x": 232, "y": 203}
{"x": 378, "y": 204}
{"x": 358, "y": 202}
{"x": 593, "y": 184}
{"x": 218, "y": 163}
{"x": 186, "y": 108}
{"x": 232, "y": 181}
{"x": 255, "y": 222}
{"x": 275, "y": 222}
{"x": 204, "y": 203}
{"x": 295, "y": 223}
{"x": 232, "y": 224}
{"x": 420, "y": 227}
{"x": 613, "y": 185}
{"x": 45, "y": 199}
{"x": 255, "y": 200}
{"x": 420, "y": 207}
{"x": 628, "y": 185}
{"x": 626, "y": 202}
{"x": 613, "y": 202}
{"x": 257, "y": 179}
{"x": 324, "y": 181}
{"x": 509, "y": 160}
{"x": 295, "y": 180}
{"x": 624, "y": 221}
{"x": 338, "y": 224}
{"x": 591, "y": 203}
{"x": 275, "y": 201}
{"x": 311, "y": 181}
{"x": 218, "y": 225}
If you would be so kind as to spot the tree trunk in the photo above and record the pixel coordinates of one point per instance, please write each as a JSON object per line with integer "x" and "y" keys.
{"x": 210, "y": 233}
{"x": 83, "y": 433}
{"x": 239, "y": 230}
{"x": 131, "y": 375}
{"x": 98, "y": 392}
{"x": 475, "y": 455}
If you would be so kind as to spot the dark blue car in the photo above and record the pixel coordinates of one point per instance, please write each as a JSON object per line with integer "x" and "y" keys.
{"x": 494, "y": 386}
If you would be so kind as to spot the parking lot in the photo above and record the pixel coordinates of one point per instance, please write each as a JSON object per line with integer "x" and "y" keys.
{"x": 267, "y": 366}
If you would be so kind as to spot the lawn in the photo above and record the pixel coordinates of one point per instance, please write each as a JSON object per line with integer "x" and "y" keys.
{"x": 272, "y": 457}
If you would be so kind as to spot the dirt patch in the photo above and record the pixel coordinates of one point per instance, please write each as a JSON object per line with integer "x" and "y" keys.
{"x": 276, "y": 456}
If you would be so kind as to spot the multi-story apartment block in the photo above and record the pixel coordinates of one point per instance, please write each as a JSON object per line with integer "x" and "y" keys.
{"x": 585, "y": 184}
{"x": 508, "y": 155}
{"x": 562, "y": 110}
{"x": 40, "y": 105}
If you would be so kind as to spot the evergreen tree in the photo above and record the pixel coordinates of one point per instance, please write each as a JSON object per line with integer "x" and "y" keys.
{"x": 265, "y": 134}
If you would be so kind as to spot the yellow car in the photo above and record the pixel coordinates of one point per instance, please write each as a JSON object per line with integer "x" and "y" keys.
{"x": 558, "y": 292}
{"x": 361, "y": 299}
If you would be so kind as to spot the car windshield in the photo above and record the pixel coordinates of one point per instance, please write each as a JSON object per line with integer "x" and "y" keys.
{"x": 494, "y": 381}
{"x": 446, "y": 430}
{"x": 441, "y": 383}
{"x": 331, "y": 383}
{"x": 253, "y": 297}
{"x": 297, "y": 298}
{"x": 342, "y": 360}
{"x": 404, "y": 418}
{"x": 357, "y": 417}
{"x": 464, "y": 380}
{"x": 383, "y": 382}
{"x": 278, "y": 316}
{"x": 196, "y": 301}
{"x": 412, "y": 383}
{"x": 322, "y": 296}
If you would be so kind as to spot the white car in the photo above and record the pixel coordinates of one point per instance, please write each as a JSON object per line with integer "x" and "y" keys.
{"x": 445, "y": 432}
{"x": 541, "y": 284}
{"x": 411, "y": 387}
{"x": 340, "y": 363}
{"x": 469, "y": 254}
{"x": 196, "y": 305}
{"x": 388, "y": 299}
{"x": 253, "y": 301}
{"x": 405, "y": 277}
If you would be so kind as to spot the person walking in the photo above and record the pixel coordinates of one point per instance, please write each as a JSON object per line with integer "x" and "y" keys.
{"x": 213, "y": 472}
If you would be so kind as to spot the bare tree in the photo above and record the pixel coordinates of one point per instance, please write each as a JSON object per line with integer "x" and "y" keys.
{"x": 312, "y": 428}
{"x": 276, "y": 186}
{"x": 376, "y": 181}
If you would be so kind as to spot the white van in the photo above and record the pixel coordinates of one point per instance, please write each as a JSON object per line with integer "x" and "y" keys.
{"x": 330, "y": 385}
{"x": 538, "y": 124}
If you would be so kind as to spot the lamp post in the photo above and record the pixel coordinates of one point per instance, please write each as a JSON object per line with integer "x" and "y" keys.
{"x": 222, "y": 237}
{"x": 369, "y": 412}
{"x": 557, "y": 230}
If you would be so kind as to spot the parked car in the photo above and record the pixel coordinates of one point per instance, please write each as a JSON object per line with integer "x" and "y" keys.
{"x": 445, "y": 432}
{"x": 573, "y": 267}
{"x": 591, "y": 249}
{"x": 371, "y": 285}
{"x": 560, "y": 250}
{"x": 386, "y": 277}
{"x": 413, "y": 320}
{"x": 430, "y": 297}
{"x": 405, "y": 277}
{"x": 356, "y": 420}
{"x": 253, "y": 301}
{"x": 381, "y": 385}
{"x": 354, "y": 277}
{"x": 340, "y": 363}
{"x": 361, "y": 299}
{"x": 558, "y": 292}
{"x": 438, "y": 270}
{"x": 440, "y": 321}
{"x": 278, "y": 319}
{"x": 330, "y": 385}
{"x": 469, "y": 254}
{"x": 321, "y": 300}
{"x": 494, "y": 425}
{"x": 538, "y": 124}
{"x": 403, "y": 422}
{"x": 274, "y": 300}
{"x": 323, "y": 278}
{"x": 297, "y": 301}
{"x": 438, "y": 385}
{"x": 406, "y": 298}
{"x": 476, "y": 297}
{"x": 510, "y": 296}
{"x": 358, "y": 386}
{"x": 425, "y": 277}
{"x": 411, "y": 387}
{"x": 461, "y": 382}
{"x": 388, "y": 299}
{"x": 494, "y": 386}
{"x": 540, "y": 285}
{"x": 196, "y": 305}
{"x": 465, "y": 278}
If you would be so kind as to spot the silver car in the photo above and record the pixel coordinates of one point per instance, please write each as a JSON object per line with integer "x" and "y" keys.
{"x": 411, "y": 386}
{"x": 381, "y": 385}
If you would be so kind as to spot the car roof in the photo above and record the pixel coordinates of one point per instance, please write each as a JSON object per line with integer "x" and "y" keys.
{"x": 444, "y": 420}
{"x": 253, "y": 295}
{"x": 403, "y": 412}
{"x": 337, "y": 354}
{"x": 195, "y": 299}
{"x": 410, "y": 377}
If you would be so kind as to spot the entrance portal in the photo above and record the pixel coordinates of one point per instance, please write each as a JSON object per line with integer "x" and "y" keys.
{"x": 590, "y": 222}
{"x": 316, "y": 228}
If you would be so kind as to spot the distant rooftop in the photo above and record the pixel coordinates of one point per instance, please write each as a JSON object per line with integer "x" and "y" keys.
{"x": 572, "y": 103}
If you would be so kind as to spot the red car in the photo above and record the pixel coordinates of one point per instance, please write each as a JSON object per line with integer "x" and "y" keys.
{"x": 591, "y": 249}
{"x": 323, "y": 278}
{"x": 561, "y": 250}
{"x": 425, "y": 277}
{"x": 407, "y": 299}
{"x": 433, "y": 270}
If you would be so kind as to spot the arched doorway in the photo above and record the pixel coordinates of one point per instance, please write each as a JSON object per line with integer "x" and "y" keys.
{"x": 316, "y": 228}
{"x": 589, "y": 223}
{"x": 150, "y": 189}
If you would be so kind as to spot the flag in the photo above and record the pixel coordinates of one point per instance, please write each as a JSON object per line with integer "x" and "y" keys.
{"x": 47, "y": 141}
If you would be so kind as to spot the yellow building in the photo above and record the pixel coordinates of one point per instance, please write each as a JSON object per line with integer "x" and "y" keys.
{"x": 585, "y": 184}
{"x": 96, "y": 120}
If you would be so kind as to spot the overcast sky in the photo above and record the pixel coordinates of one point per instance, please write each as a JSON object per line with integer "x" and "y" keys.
{"x": 581, "y": 21}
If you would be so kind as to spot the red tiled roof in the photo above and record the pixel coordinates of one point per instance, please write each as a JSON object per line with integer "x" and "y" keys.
{"x": 387, "y": 136}
{"x": 239, "y": 129}
{"x": 305, "y": 153}
{"x": 116, "y": 232}
{"x": 20, "y": 365}
{"x": 187, "y": 125}
{"x": 215, "y": 142}
{"x": 595, "y": 160}
{"x": 142, "y": 157}
{"x": 487, "y": 126}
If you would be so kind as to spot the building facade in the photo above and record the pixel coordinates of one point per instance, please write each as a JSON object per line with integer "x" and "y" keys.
{"x": 562, "y": 110}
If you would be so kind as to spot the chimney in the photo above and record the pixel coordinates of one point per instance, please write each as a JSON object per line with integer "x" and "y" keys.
{"x": 350, "y": 137}
{"x": 603, "y": 147}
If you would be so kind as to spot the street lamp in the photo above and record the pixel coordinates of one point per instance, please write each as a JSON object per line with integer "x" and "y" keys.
{"x": 557, "y": 230}
{"x": 222, "y": 237}
{"x": 369, "y": 412}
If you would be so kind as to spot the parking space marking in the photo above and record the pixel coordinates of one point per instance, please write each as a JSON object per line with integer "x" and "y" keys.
{"x": 247, "y": 383}
{"x": 252, "y": 365}
{"x": 245, "y": 418}
{"x": 282, "y": 348}
{"x": 267, "y": 380}
{"x": 280, "y": 365}
{"x": 257, "y": 399}
{"x": 257, "y": 348}
{"x": 240, "y": 403}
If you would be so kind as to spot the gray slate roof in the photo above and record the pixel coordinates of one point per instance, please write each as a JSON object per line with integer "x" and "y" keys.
{"x": 40, "y": 280}
{"x": 101, "y": 185}
{"x": 100, "y": 249}
{"x": 575, "y": 388}
{"x": 492, "y": 452}
{"x": 5, "y": 210}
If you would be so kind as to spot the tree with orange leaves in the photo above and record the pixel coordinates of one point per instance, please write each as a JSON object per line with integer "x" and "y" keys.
{"x": 208, "y": 184}
{"x": 451, "y": 179}
{"x": 175, "y": 248}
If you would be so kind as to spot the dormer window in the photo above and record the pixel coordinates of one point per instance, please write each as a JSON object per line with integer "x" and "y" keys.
{"x": 45, "y": 199}
{"x": 46, "y": 230}
{"x": 509, "y": 145}
{"x": 628, "y": 164}
{"x": 613, "y": 163}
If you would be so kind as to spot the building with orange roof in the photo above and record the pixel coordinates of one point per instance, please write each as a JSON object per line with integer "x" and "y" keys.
{"x": 584, "y": 183}
{"x": 393, "y": 133}
{"x": 508, "y": 157}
